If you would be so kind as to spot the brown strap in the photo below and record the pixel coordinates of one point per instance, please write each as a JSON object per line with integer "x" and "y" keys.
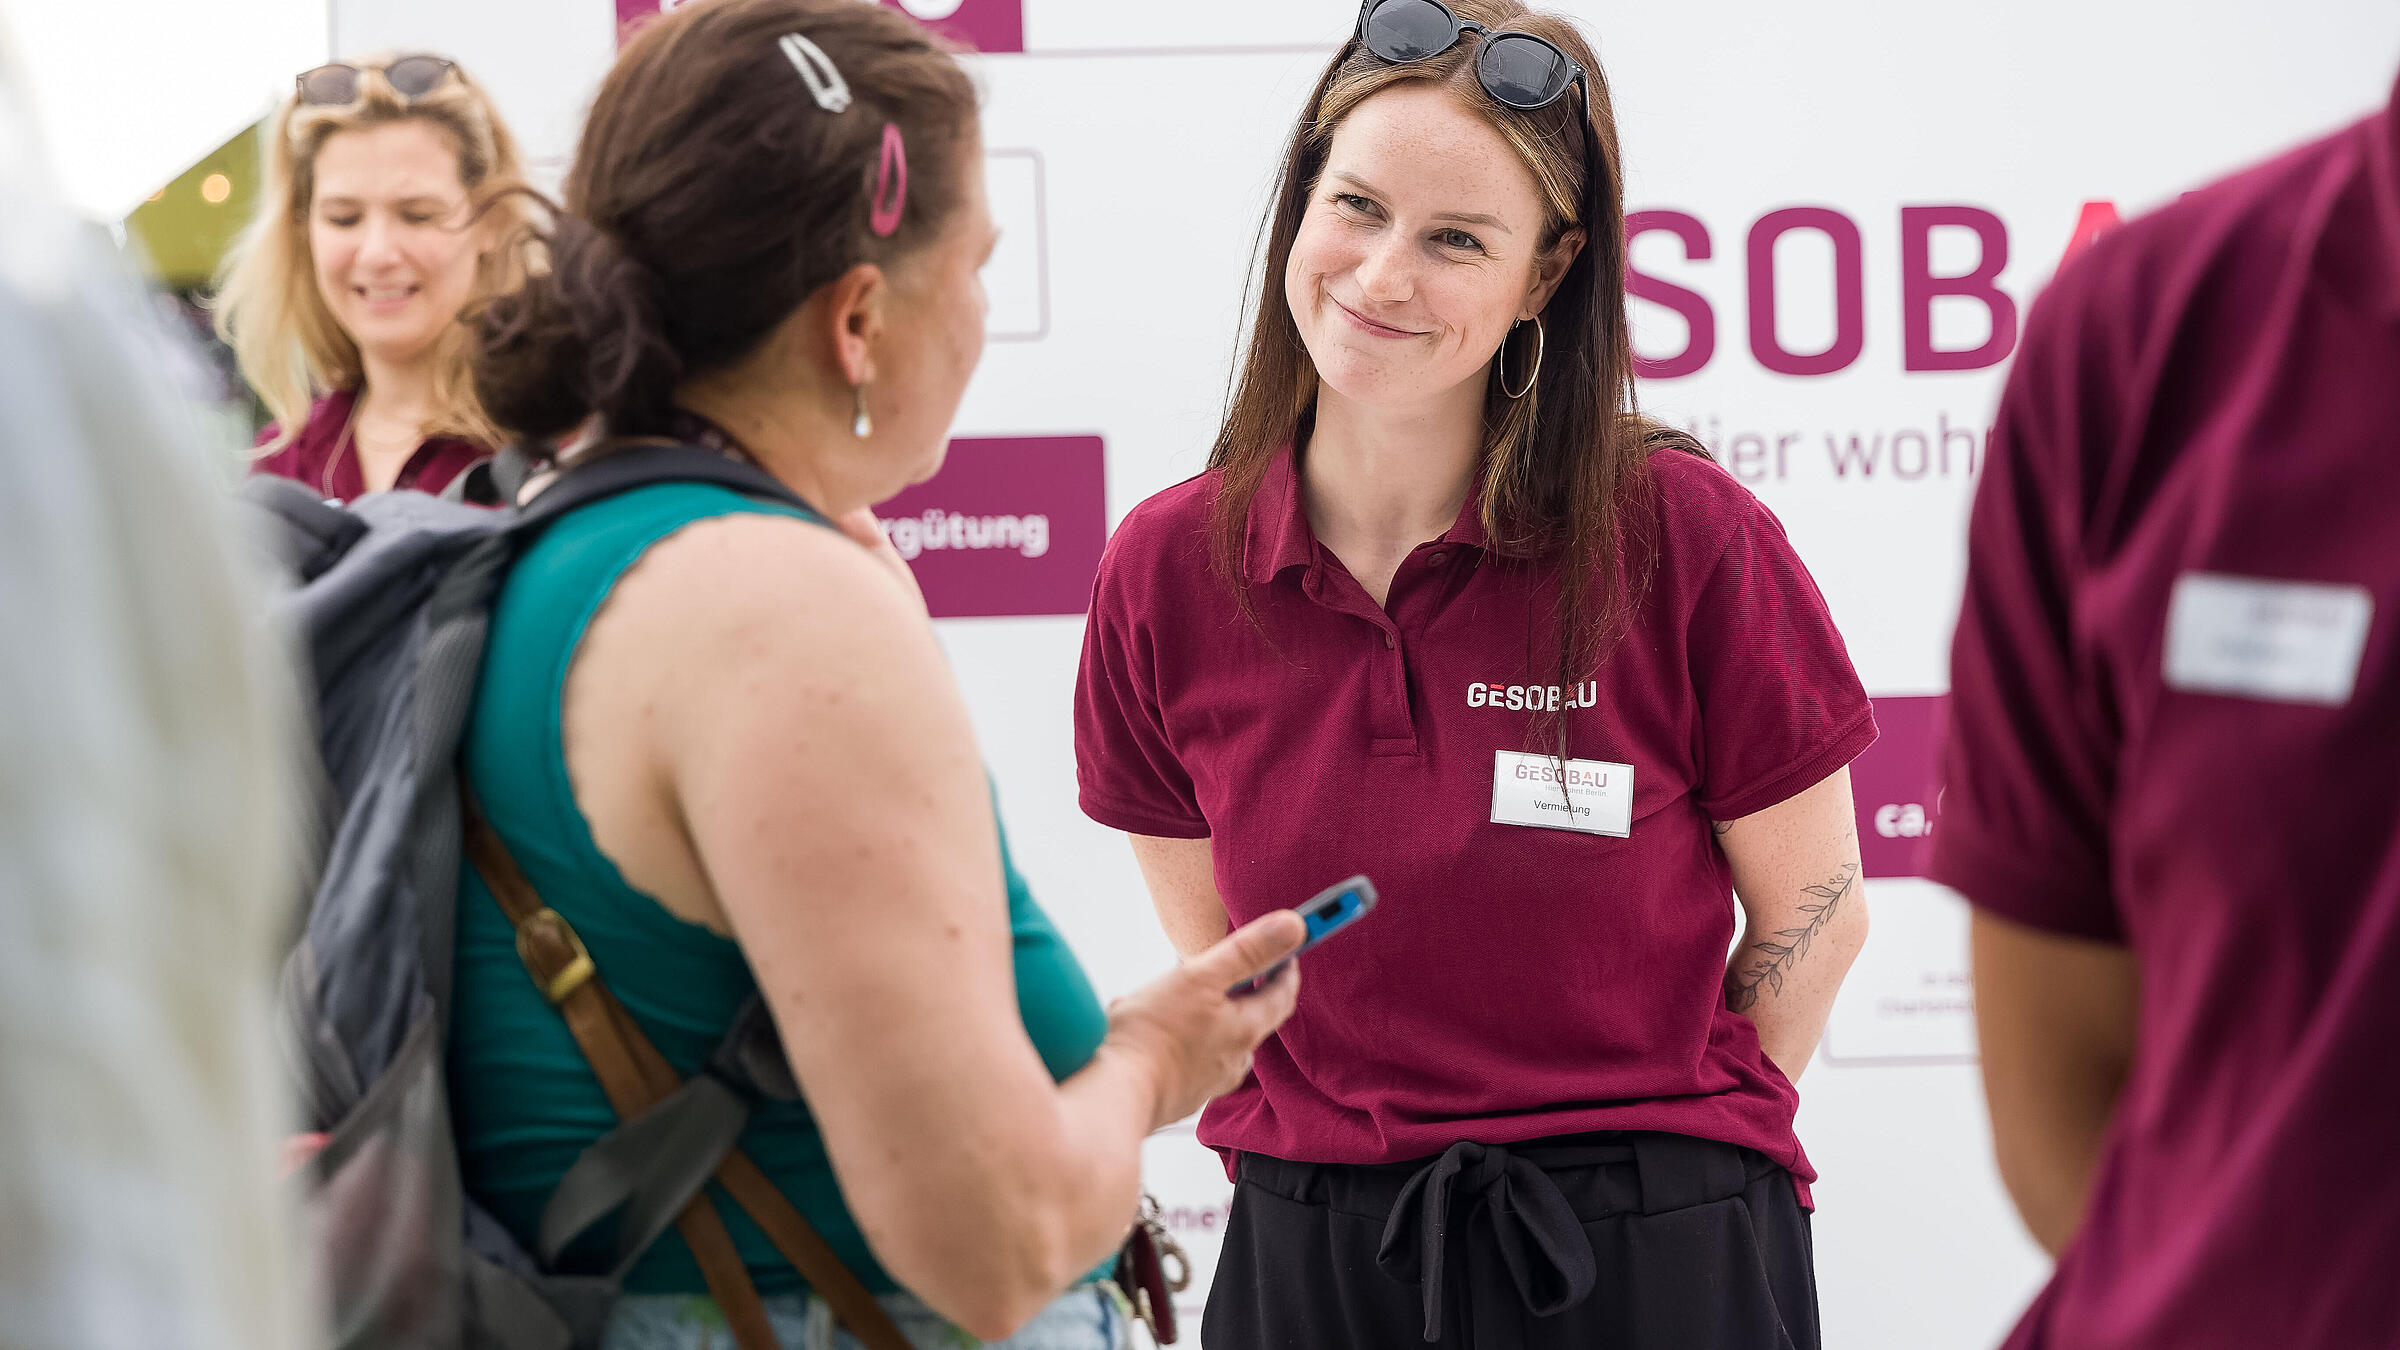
{"x": 803, "y": 1247}
{"x": 635, "y": 1076}
{"x": 776, "y": 1216}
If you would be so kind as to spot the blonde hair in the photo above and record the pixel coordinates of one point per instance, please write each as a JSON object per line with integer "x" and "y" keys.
{"x": 268, "y": 308}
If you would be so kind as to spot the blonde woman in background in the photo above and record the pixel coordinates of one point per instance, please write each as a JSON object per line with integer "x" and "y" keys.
{"x": 390, "y": 203}
{"x": 144, "y": 832}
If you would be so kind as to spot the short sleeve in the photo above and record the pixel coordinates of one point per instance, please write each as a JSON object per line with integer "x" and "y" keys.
{"x": 2028, "y": 763}
{"x": 1781, "y": 707}
{"x": 1126, "y": 769}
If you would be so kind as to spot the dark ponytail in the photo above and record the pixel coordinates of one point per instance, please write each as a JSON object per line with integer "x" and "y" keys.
{"x": 587, "y": 336}
{"x": 711, "y": 195}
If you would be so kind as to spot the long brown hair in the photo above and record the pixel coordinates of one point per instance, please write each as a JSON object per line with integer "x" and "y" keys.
{"x": 711, "y": 195}
{"x": 1562, "y": 463}
{"x": 268, "y": 308}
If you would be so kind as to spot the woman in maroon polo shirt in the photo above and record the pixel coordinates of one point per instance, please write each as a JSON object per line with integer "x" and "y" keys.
{"x": 1437, "y": 565}
{"x": 392, "y": 199}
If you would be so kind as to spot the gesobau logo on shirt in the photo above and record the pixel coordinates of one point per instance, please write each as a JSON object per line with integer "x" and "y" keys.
{"x": 1533, "y": 697}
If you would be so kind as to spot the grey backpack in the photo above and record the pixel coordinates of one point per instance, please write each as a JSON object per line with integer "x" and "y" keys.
{"x": 388, "y": 600}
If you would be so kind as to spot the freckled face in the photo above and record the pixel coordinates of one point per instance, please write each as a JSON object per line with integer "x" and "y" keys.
{"x": 389, "y": 231}
{"x": 1418, "y": 250}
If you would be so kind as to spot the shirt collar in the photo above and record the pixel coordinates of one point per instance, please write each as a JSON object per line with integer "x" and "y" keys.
{"x": 1279, "y": 537}
{"x": 328, "y": 422}
{"x": 328, "y": 454}
{"x": 1468, "y": 528}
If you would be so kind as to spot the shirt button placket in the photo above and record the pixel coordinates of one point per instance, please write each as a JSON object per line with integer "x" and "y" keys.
{"x": 1395, "y": 730}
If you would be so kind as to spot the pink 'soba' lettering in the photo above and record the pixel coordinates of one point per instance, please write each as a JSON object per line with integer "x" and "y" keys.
{"x": 1920, "y": 285}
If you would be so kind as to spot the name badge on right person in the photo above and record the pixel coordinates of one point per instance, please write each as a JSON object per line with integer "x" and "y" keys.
{"x": 1588, "y": 796}
{"x": 2252, "y": 637}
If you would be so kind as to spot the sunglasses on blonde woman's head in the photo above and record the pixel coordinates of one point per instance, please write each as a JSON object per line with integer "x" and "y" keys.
{"x": 338, "y": 84}
{"x": 1519, "y": 70}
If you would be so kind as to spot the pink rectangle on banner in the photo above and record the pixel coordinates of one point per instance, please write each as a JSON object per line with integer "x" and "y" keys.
{"x": 1012, "y": 525}
{"x": 1896, "y": 785}
{"x": 985, "y": 25}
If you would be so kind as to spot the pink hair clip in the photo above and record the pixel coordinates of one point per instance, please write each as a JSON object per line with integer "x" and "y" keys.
{"x": 891, "y": 177}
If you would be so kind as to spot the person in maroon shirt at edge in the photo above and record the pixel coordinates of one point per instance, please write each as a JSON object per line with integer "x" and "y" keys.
{"x": 392, "y": 199}
{"x": 1528, "y": 1101}
{"x": 2173, "y": 767}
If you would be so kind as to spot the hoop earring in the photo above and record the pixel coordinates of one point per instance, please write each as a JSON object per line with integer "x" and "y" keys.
{"x": 861, "y": 425}
{"x": 1540, "y": 342}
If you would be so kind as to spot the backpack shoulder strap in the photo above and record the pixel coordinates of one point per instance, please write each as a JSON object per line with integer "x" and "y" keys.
{"x": 635, "y": 1076}
{"x": 642, "y": 463}
{"x": 309, "y": 532}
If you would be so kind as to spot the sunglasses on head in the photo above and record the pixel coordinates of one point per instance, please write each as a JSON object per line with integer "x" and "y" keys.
{"x": 338, "y": 84}
{"x": 1519, "y": 70}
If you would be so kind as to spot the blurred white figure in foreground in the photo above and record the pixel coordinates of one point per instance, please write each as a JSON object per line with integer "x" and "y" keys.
{"x": 144, "y": 833}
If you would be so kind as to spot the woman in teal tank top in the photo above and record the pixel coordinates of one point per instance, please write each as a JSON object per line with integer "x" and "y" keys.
{"x": 527, "y": 1104}
{"x": 720, "y": 739}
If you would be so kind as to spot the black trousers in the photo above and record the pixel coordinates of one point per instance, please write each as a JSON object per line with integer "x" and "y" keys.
{"x": 1613, "y": 1241}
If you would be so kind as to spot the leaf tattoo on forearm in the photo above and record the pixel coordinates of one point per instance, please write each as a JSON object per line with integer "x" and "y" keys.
{"x": 1779, "y": 953}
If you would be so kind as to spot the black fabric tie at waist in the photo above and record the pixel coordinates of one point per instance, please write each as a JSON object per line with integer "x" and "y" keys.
{"x": 1539, "y": 1239}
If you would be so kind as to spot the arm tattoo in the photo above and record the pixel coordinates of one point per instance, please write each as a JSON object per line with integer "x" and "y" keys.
{"x": 1778, "y": 955}
{"x": 1720, "y": 828}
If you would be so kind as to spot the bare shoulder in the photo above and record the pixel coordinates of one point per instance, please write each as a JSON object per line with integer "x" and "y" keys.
{"x": 730, "y": 590}
{"x": 747, "y": 658}
{"x": 747, "y": 630}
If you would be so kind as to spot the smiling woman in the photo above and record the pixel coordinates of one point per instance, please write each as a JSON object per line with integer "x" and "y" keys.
{"x": 392, "y": 200}
{"x": 1532, "y": 1103}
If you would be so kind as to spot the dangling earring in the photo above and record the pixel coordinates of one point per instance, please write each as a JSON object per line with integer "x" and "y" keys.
{"x": 861, "y": 425}
{"x": 1540, "y": 341}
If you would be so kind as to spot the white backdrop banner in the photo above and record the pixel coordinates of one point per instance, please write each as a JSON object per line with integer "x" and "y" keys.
{"x": 1841, "y": 212}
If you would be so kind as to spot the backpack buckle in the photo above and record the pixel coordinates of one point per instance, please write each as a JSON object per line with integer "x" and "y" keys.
{"x": 553, "y": 954}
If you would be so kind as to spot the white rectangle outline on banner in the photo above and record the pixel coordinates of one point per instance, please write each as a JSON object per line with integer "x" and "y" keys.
{"x": 1825, "y": 1051}
{"x": 1041, "y": 247}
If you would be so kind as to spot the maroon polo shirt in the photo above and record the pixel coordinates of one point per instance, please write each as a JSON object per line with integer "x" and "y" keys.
{"x": 1515, "y": 982}
{"x": 2175, "y": 725}
{"x": 325, "y": 456}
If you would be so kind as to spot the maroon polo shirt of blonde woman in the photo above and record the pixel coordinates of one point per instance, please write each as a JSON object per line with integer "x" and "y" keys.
{"x": 1515, "y": 982}
{"x": 325, "y": 454}
{"x": 2175, "y": 725}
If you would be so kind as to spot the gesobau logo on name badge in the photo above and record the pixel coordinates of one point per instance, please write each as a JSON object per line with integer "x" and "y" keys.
{"x": 1587, "y": 796}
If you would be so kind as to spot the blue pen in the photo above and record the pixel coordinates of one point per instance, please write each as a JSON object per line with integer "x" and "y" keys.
{"x": 1330, "y": 911}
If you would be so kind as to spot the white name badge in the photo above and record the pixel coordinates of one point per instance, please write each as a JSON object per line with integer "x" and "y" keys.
{"x": 1591, "y": 796}
{"x": 2290, "y": 641}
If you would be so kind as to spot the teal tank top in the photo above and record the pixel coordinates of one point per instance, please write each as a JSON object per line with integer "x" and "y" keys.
{"x": 523, "y": 1100}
